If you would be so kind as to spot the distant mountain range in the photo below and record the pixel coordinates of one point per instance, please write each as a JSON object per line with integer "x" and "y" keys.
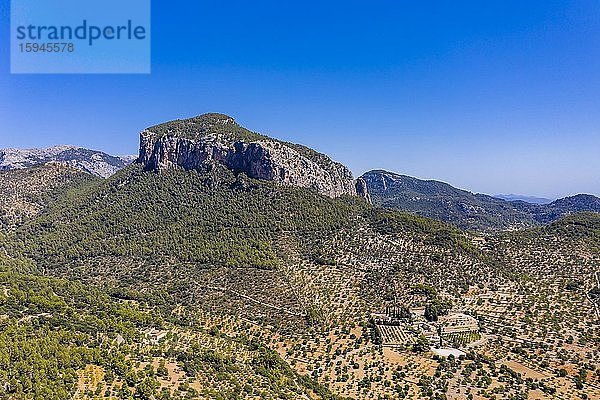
{"x": 527, "y": 199}
{"x": 468, "y": 210}
{"x": 91, "y": 161}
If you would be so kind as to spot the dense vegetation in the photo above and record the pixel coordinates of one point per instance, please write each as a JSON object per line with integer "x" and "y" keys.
{"x": 216, "y": 218}
{"x": 432, "y": 232}
{"x": 51, "y": 328}
{"x": 211, "y": 123}
{"x": 576, "y": 228}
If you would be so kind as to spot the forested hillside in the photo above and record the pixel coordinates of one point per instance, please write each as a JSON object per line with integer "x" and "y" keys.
{"x": 216, "y": 218}
{"x": 61, "y": 339}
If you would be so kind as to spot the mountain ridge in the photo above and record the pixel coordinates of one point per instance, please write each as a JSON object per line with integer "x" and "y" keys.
{"x": 525, "y": 198}
{"x": 464, "y": 209}
{"x": 93, "y": 162}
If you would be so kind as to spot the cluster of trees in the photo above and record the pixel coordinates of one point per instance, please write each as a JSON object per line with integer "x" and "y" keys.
{"x": 436, "y": 307}
{"x": 432, "y": 232}
{"x": 51, "y": 328}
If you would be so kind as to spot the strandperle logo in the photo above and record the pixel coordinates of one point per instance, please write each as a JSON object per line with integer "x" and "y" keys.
{"x": 68, "y": 36}
{"x": 85, "y": 31}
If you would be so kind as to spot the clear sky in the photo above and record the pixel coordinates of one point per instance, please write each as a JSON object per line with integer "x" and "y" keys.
{"x": 490, "y": 96}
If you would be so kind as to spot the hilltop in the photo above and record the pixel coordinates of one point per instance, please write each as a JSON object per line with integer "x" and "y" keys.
{"x": 199, "y": 143}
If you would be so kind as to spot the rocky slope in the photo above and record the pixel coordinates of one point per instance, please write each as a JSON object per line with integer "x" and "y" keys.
{"x": 201, "y": 142}
{"x": 91, "y": 161}
{"x": 464, "y": 209}
{"x": 26, "y": 192}
{"x": 362, "y": 190}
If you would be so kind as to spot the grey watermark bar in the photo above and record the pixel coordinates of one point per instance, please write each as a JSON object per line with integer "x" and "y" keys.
{"x": 69, "y": 36}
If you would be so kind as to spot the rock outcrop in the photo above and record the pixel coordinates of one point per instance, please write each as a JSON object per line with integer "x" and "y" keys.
{"x": 362, "y": 190}
{"x": 198, "y": 143}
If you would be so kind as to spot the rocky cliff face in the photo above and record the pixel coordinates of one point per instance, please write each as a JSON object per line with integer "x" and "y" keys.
{"x": 362, "y": 190}
{"x": 199, "y": 142}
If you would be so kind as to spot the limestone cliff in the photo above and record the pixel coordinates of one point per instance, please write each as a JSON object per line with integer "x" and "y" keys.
{"x": 197, "y": 143}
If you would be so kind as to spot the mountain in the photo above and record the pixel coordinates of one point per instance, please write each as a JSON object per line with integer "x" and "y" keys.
{"x": 546, "y": 213}
{"x": 443, "y": 202}
{"x": 91, "y": 161}
{"x": 201, "y": 142}
{"x": 195, "y": 274}
{"x": 526, "y": 199}
{"x": 210, "y": 241}
{"x": 466, "y": 210}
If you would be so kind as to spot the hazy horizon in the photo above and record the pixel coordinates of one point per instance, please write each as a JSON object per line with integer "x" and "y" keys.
{"x": 493, "y": 98}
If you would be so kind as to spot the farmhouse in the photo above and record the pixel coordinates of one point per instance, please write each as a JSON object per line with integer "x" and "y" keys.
{"x": 458, "y": 323}
{"x": 154, "y": 336}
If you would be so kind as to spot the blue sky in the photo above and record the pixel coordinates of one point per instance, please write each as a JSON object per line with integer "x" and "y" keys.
{"x": 493, "y": 97}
